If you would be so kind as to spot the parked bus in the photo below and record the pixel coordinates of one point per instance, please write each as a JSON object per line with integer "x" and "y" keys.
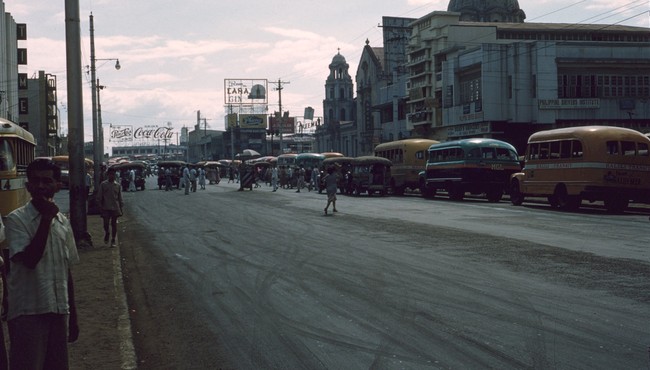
{"x": 594, "y": 163}
{"x": 17, "y": 148}
{"x": 476, "y": 166}
{"x": 409, "y": 158}
{"x": 370, "y": 175}
{"x": 309, "y": 161}
{"x": 63, "y": 161}
{"x": 286, "y": 161}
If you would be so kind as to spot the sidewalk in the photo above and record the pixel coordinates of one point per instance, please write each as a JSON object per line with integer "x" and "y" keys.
{"x": 105, "y": 340}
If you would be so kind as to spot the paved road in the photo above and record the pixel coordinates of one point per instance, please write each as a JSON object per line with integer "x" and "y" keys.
{"x": 257, "y": 279}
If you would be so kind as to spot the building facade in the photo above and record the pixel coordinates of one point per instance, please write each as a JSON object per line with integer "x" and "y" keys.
{"x": 508, "y": 80}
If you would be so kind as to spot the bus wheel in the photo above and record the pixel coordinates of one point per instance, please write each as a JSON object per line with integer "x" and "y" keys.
{"x": 427, "y": 193}
{"x": 616, "y": 203}
{"x": 516, "y": 198}
{"x": 396, "y": 190}
{"x": 565, "y": 201}
{"x": 552, "y": 200}
{"x": 455, "y": 193}
{"x": 494, "y": 195}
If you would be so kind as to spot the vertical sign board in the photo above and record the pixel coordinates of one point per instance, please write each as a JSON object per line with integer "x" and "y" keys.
{"x": 240, "y": 91}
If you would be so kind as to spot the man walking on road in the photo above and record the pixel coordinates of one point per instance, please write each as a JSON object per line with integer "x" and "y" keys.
{"x": 186, "y": 180}
{"x": 111, "y": 205}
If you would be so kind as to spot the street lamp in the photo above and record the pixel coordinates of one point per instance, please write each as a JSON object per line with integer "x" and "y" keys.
{"x": 98, "y": 131}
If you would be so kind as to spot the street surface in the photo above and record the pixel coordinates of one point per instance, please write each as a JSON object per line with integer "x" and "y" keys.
{"x": 263, "y": 280}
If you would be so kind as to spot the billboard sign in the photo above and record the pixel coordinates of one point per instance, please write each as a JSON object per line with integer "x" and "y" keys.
{"x": 245, "y": 91}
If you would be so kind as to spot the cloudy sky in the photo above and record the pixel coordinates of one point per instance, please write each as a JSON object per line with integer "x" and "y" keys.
{"x": 175, "y": 55}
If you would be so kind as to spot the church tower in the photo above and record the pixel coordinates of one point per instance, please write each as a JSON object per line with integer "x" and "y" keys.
{"x": 339, "y": 98}
{"x": 338, "y": 105}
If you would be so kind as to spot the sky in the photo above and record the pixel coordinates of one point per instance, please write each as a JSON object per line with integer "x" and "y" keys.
{"x": 175, "y": 55}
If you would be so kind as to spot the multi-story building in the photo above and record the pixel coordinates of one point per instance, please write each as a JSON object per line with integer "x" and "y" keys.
{"x": 39, "y": 113}
{"x": 10, "y": 33}
{"x": 507, "y": 80}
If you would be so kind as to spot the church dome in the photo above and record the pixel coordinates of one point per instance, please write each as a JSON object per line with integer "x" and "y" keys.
{"x": 488, "y": 10}
{"x": 338, "y": 59}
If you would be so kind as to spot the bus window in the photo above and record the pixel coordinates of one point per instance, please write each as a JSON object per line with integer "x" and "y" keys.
{"x": 533, "y": 151}
{"x": 643, "y": 149}
{"x": 543, "y": 151}
{"x": 576, "y": 149}
{"x": 474, "y": 153}
{"x": 555, "y": 150}
{"x": 628, "y": 148}
{"x": 487, "y": 153}
{"x": 420, "y": 154}
{"x": 565, "y": 149}
{"x": 6, "y": 156}
{"x": 612, "y": 147}
{"x": 506, "y": 154}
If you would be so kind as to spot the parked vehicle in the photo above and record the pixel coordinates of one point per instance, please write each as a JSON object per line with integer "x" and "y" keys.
{"x": 140, "y": 169}
{"x": 477, "y": 166}
{"x": 409, "y": 158}
{"x": 63, "y": 161}
{"x": 370, "y": 175}
{"x": 594, "y": 163}
{"x": 175, "y": 167}
{"x": 17, "y": 150}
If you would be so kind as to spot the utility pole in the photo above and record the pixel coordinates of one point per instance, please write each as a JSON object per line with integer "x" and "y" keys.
{"x": 75, "y": 124}
{"x": 279, "y": 89}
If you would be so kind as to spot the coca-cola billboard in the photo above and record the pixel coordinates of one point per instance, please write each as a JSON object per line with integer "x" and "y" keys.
{"x": 120, "y": 133}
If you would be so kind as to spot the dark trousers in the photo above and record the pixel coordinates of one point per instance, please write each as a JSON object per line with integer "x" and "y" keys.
{"x": 38, "y": 342}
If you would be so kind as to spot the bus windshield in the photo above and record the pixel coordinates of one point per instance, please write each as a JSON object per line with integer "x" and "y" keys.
{"x": 6, "y": 156}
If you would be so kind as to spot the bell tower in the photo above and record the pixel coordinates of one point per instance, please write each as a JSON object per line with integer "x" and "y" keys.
{"x": 339, "y": 98}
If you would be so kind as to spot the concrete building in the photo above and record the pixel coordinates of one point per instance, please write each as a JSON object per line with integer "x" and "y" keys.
{"x": 9, "y": 60}
{"x": 508, "y": 80}
{"x": 39, "y": 114}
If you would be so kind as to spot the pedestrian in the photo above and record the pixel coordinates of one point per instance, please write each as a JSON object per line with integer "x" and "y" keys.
{"x": 111, "y": 205}
{"x": 41, "y": 316}
{"x": 274, "y": 178}
{"x": 315, "y": 179}
{"x": 231, "y": 174}
{"x": 300, "y": 181}
{"x": 202, "y": 178}
{"x": 186, "y": 180}
{"x": 193, "y": 176}
{"x": 132, "y": 180}
{"x": 330, "y": 186}
{"x": 290, "y": 177}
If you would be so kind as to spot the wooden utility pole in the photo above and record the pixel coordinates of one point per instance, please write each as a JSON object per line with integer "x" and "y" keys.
{"x": 279, "y": 89}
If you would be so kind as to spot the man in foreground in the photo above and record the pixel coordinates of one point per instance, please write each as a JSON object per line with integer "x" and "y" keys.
{"x": 42, "y": 317}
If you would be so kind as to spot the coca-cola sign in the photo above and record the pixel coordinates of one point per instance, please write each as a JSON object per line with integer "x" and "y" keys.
{"x": 153, "y": 133}
{"x": 126, "y": 133}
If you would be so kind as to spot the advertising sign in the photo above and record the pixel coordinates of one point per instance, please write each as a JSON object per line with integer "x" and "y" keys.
{"x": 120, "y": 134}
{"x": 288, "y": 124}
{"x": 252, "y": 121}
{"x": 245, "y": 91}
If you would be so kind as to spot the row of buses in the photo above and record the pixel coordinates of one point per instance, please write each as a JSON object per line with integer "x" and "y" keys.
{"x": 565, "y": 166}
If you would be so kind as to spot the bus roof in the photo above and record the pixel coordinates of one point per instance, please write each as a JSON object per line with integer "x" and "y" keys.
{"x": 369, "y": 159}
{"x": 310, "y": 155}
{"x": 8, "y": 128}
{"x": 582, "y": 132}
{"x": 402, "y": 142}
{"x": 473, "y": 142}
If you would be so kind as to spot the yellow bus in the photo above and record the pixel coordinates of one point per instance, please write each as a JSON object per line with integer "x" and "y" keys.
{"x": 409, "y": 157}
{"x": 63, "y": 161}
{"x": 593, "y": 163}
{"x": 17, "y": 148}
